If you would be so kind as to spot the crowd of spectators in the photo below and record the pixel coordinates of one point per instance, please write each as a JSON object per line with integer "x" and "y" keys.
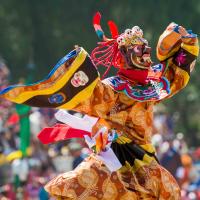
{"x": 23, "y": 177}
{"x": 176, "y": 156}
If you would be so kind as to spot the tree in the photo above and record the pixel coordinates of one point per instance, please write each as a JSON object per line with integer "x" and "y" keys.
{"x": 41, "y": 32}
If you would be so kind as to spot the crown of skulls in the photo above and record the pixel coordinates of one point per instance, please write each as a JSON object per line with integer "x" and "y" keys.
{"x": 131, "y": 37}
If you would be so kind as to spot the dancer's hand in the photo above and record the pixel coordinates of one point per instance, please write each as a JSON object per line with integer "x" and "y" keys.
{"x": 183, "y": 31}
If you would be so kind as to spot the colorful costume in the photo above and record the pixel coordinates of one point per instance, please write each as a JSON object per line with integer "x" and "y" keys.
{"x": 123, "y": 107}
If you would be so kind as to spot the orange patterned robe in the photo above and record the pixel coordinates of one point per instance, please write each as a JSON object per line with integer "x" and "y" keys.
{"x": 144, "y": 178}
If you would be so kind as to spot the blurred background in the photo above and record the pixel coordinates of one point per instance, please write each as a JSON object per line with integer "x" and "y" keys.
{"x": 34, "y": 36}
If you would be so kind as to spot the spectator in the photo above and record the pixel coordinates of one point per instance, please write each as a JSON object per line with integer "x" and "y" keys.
{"x": 75, "y": 149}
{"x": 171, "y": 159}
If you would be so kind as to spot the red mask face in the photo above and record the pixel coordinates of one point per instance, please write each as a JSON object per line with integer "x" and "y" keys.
{"x": 137, "y": 56}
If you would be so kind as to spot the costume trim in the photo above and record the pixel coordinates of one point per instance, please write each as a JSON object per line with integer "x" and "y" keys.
{"x": 133, "y": 155}
{"x": 153, "y": 91}
{"x": 192, "y": 49}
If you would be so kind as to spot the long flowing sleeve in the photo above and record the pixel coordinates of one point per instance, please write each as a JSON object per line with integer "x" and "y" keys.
{"x": 70, "y": 82}
{"x": 178, "y": 53}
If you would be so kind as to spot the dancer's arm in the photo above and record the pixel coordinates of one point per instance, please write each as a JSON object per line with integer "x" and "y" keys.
{"x": 178, "y": 49}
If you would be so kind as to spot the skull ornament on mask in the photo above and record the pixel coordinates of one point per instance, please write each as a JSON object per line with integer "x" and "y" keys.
{"x": 121, "y": 41}
{"x": 128, "y": 33}
{"x": 79, "y": 79}
{"x": 136, "y": 30}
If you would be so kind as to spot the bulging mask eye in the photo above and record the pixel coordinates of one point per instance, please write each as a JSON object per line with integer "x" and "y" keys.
{"x": 128, "y": 33}
{"x": 145, "y": 41}
{"x": 147, "y": 49}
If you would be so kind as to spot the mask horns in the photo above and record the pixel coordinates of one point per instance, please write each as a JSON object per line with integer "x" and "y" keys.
{"x": 112, "y": 26}
{"x": 113, "y": 29}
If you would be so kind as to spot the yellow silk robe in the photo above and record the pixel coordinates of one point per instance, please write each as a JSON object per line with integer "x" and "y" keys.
{"x": 145, "y": 178}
